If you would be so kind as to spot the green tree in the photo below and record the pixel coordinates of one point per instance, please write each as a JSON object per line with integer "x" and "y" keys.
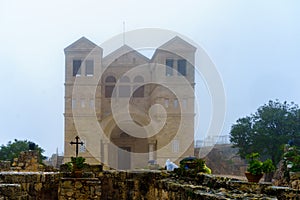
{"x": 267, "y": 130}
{"x": 13, "y": 149}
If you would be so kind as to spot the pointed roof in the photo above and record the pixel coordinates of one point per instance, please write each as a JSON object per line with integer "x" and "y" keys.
{"x": 176, "y": 44}
{"x": 82, "y": 44}
{"x": 121, "y": 51}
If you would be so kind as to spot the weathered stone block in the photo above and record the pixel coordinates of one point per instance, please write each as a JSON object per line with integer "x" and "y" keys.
{"x": 78, "y": 185}
{"x": 38, "y": 186}
{"x": 5, "y": 165}
{"x": 69, "y": 194}
{"x": 294, "y": 176}
{"x": 67, "y": 184}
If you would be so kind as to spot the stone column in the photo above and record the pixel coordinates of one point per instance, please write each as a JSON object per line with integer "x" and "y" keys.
{"x": 151, "y": 149}
{"x": 151, "y": 144}
{"x": 105, "y": 153}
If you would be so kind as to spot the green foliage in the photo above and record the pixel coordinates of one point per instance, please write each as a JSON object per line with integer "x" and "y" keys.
{"x": 268, "y": 166}
{"x": 296, "y": 164}
{"x": 258, "y": 167}
{"x": 255, "y": 165}
{"x": 13, "y": 149}
{"x": 266, "y": 131}
{"x": 66, "y": 167}
{"x": 78, "y": 162}
{"x": 192, "y": 167}
{"x": 253, "y": 156}
{"x": 291, "y": 153}
{"x": 292, "y": 159}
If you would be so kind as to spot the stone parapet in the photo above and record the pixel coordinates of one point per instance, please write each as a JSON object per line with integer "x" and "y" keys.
{"x": 34, "y": 185}
{"x": 141, "y": 184}
{"x": 79, "y": 188}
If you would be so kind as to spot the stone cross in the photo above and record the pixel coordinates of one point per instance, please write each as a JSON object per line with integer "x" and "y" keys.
{"x": 76, "y": 143}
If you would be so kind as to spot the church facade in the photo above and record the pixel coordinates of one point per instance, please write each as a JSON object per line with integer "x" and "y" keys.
{"x": 129, "y": 110}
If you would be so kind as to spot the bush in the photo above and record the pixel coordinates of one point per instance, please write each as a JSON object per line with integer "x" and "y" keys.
{"x": 292, "y": 159}
{"x": 258, "y": 167}
{"x": 192, "y": 167}
{"x": 268, "y": 166}
{"x": 78, "y": 162}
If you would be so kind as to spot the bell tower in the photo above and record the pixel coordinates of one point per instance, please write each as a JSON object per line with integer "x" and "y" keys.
{"x": 83, "y": 61}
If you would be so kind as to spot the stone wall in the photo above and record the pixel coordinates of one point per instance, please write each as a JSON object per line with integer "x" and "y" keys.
{"x": 11, "y": 192}
{"x": 150, "y": 185}
{"x": 29, "y": 185}
{"x": 79, "y": 188}
{"x": 223, "y": 159}
{"x": 4, "y": 165}
{"x": 27, "y": 161}
{"x": 128, "y": 185}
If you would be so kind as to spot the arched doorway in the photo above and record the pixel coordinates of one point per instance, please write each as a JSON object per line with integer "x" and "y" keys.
{"x": 129, "y": 152}
{"x": 125, "y": 144}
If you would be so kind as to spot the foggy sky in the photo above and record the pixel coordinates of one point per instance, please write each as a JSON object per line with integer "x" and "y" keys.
{"x": 255, "y": 45}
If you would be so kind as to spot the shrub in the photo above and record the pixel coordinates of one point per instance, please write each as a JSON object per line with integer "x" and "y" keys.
{"x": 258, "y": 167}
{"x": 77, "y": 162}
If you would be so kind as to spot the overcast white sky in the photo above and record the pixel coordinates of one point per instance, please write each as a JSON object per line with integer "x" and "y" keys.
{"x": 254, "y": 44}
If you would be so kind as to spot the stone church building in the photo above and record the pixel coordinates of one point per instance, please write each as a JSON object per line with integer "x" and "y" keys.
{"x": 127, "y": 109}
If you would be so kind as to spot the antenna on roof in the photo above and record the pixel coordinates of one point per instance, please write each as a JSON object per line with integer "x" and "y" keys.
{"x": 123, "y": 32}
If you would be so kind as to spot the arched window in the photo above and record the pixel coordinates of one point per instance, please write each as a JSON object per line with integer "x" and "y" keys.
{"x": 124, "y": 88}
{"x": 138, "y": 88}
{"x": 110, "y": 82}
{"x": 110, "y": 79}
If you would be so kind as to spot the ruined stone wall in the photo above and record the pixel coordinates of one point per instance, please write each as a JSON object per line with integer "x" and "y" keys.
{"x": 27, "y": 161}
{"x": 29, "y": 185}
{"x": 128, "y": 185}
{"x": 152, "y": 185}
{"x": 121, "y": 185}
{"x": 12, "y": 191}
{"x": 4, "y": 165}
{"x": 79, "y": 188}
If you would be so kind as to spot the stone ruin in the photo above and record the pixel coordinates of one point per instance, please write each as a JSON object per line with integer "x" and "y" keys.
{"x": 27, "y": 161}
{"x": 150, "y": 184}
{"x": 284, "y": 176}
{"x": 140, "y": 184}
